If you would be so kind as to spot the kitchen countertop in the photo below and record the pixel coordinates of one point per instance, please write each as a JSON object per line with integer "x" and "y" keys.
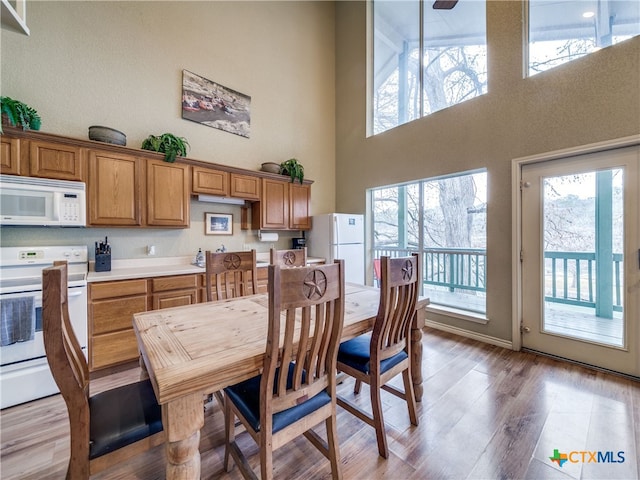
{"x": 127, "y": 269}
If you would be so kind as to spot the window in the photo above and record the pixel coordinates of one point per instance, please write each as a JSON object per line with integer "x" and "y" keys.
{"x": 420, "y": 67}
{"x": 563, "y": 30}
{"x": 445, "y": 219}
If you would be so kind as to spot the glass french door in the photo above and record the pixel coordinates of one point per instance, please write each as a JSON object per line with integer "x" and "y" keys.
{"x": 581, "y": 258}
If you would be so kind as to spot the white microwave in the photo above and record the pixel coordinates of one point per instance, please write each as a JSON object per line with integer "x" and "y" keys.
{"x": 42, "y": 202}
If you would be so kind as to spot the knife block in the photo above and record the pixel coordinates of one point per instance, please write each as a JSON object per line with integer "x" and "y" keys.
{"x": 103, "y": 262}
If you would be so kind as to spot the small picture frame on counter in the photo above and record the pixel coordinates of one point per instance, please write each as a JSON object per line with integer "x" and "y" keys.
{"x": 218, "y": 224}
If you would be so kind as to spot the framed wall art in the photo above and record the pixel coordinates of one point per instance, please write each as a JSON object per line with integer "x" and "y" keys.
{"x": 218, "y": 224}
{"x": 214, "y": 105}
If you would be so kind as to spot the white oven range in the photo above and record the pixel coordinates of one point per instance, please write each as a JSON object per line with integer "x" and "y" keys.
{"x": 24, "y": 371}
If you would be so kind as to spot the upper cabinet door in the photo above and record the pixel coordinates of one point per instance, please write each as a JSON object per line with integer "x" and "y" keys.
{"x": 299, "y": 199}
{"x": 272, "y": 212}
{"x": 9, "y": 155}
{"x": 115, "y": 189}
{"x": 245, "y": 186}
{"x": 168, "y": 192}
{"x": 56, "y": 160}
{"x": 210, "y": 182}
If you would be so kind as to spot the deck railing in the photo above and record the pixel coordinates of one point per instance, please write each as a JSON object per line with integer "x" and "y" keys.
{"x": 570, "y": 279}
{"x": 570, "y": 276}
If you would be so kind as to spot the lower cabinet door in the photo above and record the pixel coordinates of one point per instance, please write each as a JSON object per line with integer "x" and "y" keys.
{"x": 112, "y": 349}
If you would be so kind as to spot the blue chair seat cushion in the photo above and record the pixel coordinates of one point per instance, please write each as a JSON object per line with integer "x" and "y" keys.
{"x": 356, "y": 353}
{"x": 246, "y": 396}
{"x": 122, "y": 416}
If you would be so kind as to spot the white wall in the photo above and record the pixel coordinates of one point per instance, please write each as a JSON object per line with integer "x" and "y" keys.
{"x": 592, "y": 99}
{"x": 120, "y": 64}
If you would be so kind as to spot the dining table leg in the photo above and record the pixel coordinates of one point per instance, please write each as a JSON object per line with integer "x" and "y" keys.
{"x": 416, "y": 352}
{"x": 182, "y": 419}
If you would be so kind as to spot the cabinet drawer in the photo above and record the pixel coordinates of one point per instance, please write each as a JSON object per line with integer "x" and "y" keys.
{"x": 121, "y": 288}
{"x": 175, "y": 299}
{"x": 116, "y": 314}
{"x": 162, "y": 284}
{"x": 113, "y": 348}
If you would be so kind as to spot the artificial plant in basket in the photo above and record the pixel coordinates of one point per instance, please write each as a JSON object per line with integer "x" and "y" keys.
{"x": 19, "y": 114}
{"x": 167, "y": 143}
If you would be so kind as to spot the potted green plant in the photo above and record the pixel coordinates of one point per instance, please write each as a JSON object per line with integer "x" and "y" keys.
{"x": 19, "y": 114}
{"x": 167, "y": 143}
{"x": 292, "y": 168}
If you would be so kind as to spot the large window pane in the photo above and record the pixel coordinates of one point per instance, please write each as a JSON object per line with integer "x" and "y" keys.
{"x": 396, "y": 63}
{"x": 563, "y": 30}
{"x": 445, "y": 219}
{"x": 417, "y": 71}
{"x": 455, "y": 54}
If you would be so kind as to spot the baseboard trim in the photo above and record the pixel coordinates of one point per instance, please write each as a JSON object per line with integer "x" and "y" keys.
{"x": 498, "y": 342}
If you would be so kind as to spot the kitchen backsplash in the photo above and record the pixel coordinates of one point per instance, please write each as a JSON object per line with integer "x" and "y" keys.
{"x": 133, "y": 242}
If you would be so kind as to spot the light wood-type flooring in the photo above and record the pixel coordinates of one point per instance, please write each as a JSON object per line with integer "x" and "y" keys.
{"x": 487, "y": 413}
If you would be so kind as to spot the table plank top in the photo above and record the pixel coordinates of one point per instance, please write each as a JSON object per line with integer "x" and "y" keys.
{"x": 208, "y": 346}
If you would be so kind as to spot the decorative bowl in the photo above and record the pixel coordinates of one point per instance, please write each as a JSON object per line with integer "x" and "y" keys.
{"x": 270, "y": 167}
{"x": 107, "y": 135}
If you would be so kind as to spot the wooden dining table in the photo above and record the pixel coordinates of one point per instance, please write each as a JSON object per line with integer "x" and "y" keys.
{"x": 194, "y": 350}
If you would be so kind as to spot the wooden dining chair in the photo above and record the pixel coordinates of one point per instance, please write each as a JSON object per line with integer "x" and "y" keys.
{"x": 233, "y": 274}
{"x": 106, "y": 428}
{"x": 379, "y": 356}
{"x": 289, "y": 258}
{"x": 306, "y": 314}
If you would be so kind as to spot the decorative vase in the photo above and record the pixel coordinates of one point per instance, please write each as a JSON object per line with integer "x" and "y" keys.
{"x": 270, "y": 167}
{"x": 107, "y": 135}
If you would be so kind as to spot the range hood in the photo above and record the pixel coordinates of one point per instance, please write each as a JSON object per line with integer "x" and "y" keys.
{"x": 216, "y": 199}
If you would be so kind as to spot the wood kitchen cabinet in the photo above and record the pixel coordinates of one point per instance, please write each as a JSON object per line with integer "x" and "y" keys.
{"x": 127, "y": 187}
{"x": 168, "y": 194}
{"x": 244, "y": 186}
{"x": 263, "y": 279}
{"x": 283, "y": 206}
{"x": 111, "y": 308}
{"x": 9, "y": 155}
{"x": 174, "y": 291}
{"x": 299, "y": 201}
{"x": 209, "y": 181}
{"x": 272, "y": 211}
{"x": 125, "y": 190}
{"x": 56, "y": 160}
{"x": 112, "y": 304}
{"x": 115, "y": 189}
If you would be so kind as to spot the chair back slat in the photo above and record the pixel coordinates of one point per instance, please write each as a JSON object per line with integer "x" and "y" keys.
{"x": 312, "y": 300}
{"x": 66, "y": 361}
{"x": 288, "y": 258}
{"x": 234, "y": 274}
{"x": 399, "y": 287}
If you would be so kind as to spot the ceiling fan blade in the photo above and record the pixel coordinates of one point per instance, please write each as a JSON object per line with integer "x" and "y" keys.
{"x": 444, "y": 4}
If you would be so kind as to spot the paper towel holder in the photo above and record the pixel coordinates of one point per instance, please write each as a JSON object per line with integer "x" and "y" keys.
{"x": 270, "y": 237}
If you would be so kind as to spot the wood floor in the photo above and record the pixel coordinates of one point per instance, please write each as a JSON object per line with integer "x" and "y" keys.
{"x": 487, "y": 413}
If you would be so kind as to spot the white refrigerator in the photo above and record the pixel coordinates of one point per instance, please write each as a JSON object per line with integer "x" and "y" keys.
{"x": 339, "y": 236}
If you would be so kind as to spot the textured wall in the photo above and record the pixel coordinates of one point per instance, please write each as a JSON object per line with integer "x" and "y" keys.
{"x": 592, "y": 99}
{"x": 120, "y": 64}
